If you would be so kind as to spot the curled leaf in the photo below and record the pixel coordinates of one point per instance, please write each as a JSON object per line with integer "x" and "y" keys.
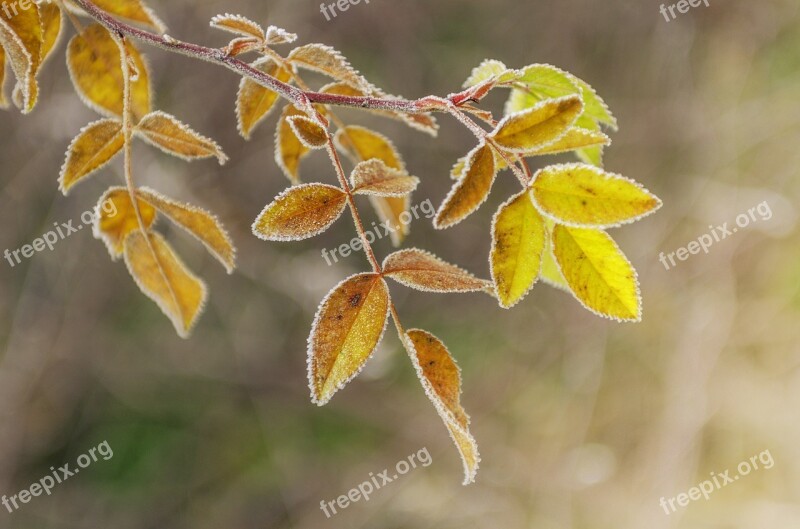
{"x": 347, "y": 328}
{"x": 597, "y": 272}
{"x": 518, "y": 240}
{"x": 583, "y": 195}
{"x": 300, "y": 212}
{"x": 424, "y": 271}
{"x": 374, "y": 177}
{"x": 203, "y": 225}
{"x": 95, "y": 66}
{"x": 471, "y": 190}
{"x": 534, "y": 128}
{"x": 173, "y": 137}
{"x": 94, "y": 146}
{"x": 163, "y": 277}
{"x": 116, "y": 219}
{"x": 289, "y": 150}
{"x": 441, "y": 379}
{"x": 309, "y": 132}
{"x": 21, "y": 36}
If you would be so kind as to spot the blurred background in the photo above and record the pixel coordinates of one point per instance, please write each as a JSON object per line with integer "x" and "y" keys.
{"x": 582, "y": 422}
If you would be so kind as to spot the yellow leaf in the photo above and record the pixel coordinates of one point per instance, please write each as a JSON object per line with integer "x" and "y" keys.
{"x": 173, "y": 137}
{"x": 486, "y": 70}
{"x": 424, "y": 271}
{"x": 51, "y": 28}
{"x": 309, "y": 132}
{"x": 583, "y": 195}
{"x": 200, "y": 223}
{"x": 518, "y": 240}
{"x": 238, "y": 25}
{"x": 95, "y": 65}
{"x": 550, "y": 273}
{"x": 423, "y": 122}
{"x": 597, "y": 272}
{"x": 471, "y": 190}
{"x": 3, "y": 99}
{"x": 538, "y": 126}
{"x": 254, "y": 102}
{"x": 116, "y": 219}
{"x": 575, "y": 138}
{"x": 374, "y": 177}
{"x": 441, "y": 379}
{"x": 347, "y": 328}
{"x": 94, "y": 146}
{"x": 289, "y": 150}
{"x": 21, "y": 36}
{"x": 163, "y": 277}
{"x": 132, "y": 10}
{"x": 366, "y": 144}
{"x": 326, "y": 60}
{"x": 300, "y": 212}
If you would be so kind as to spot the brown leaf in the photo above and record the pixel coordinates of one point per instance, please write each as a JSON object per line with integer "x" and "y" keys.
{"x": 347, "y": 328}
{"x": 21, "y": 36}
{"x": 309, "y": 132}
{"x": 238, "y": 25}
{"x": 441, "y": 379}
{"x": 289, "y": 150}
{"x": 424, "y": 271}
{"x": 471, "y": 190}
{"x": 200, "y": 223}
{"x": 163, "y": 277}
{"x": 254, "y": 102}
{"x": 374, "y": 177}
{"x": 326, "y": 60}
{"x": 94, "y": 146}
{"x": 95, "y": 65}
{"x": 300, "y": 212}
{"x": 173, "y": 137}
{"x": 116, "y": 219}
{"x": 536, "y": 127}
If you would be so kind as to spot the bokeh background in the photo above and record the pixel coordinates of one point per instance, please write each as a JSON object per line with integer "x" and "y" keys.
{"x": 582, "y": 423}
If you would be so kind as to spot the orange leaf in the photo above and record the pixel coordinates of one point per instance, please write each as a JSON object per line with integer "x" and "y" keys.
{"x": 173, "y": 137}
{"x": 471, "y": 190}
{"x": 300, "y": 212}
{"x": 116, "y": 219}
{"x": 374, "y": 177}
{"x": 424, "y": 271}
{"x": 21, "y": 36}
{"x": 347, "y": 328}
{"x": 133, "y": 10}
{"x": 289, "y": 150}
{"x": 254, "y": 102}
{"x": 94, "y": 146}
{"x": 309, "y": 132}
{"x": 51, "y": 28}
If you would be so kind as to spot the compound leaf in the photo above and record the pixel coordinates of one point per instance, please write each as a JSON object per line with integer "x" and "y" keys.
{"x": 518, "y": 240}
{"x": 347, "y": 328}
{"x": 300, "y": 212}
{"x": 94, "y": 146}
{"x": 173, "y": 137}
{"x": 583, "y": 195}
{"x": 597, "y": 272}
{"x": 424, "y": 271}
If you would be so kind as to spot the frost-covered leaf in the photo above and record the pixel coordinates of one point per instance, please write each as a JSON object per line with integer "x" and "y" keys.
{"x": 374, "y": 177}
{"x": 441, "y": 379}
{"x": 163, "y": 277}
{"x": 324, "y": 59}
{"x": 300, "y": 212}
{"x": 488, "y": 69}
{"x": 550, "y": 272}
{"x": 537, "y": 126}
{"x": 116, "y": 218}
{"x": 51, "y": 28}
{"x": 276, "y": 35}
{"x": 289, "y": 150}
{"x": 518, "y": 240}
{"x": 200, "y": 223}
{"x": 347, "y": 328}
{"x": 424, "y": 271}
{"x": 366, "y": 144}
{"x": 583, "y": 195}
{"x": 575, "y": 138}
{"x": 3, "y": 98}
{"x": 309, "y": 132}
{"x": 238, "y": 25}
{"x": 132, "y": 10}
{"x": 94, "y": 146}
{"x": 597, "y": 272}
{"x": 471, "y": 190}
{"x": 21, "y": 36}
{"x": 95, "y": 65}
{"x": 254, "y": 102}
{"x": 173, "y": 137}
